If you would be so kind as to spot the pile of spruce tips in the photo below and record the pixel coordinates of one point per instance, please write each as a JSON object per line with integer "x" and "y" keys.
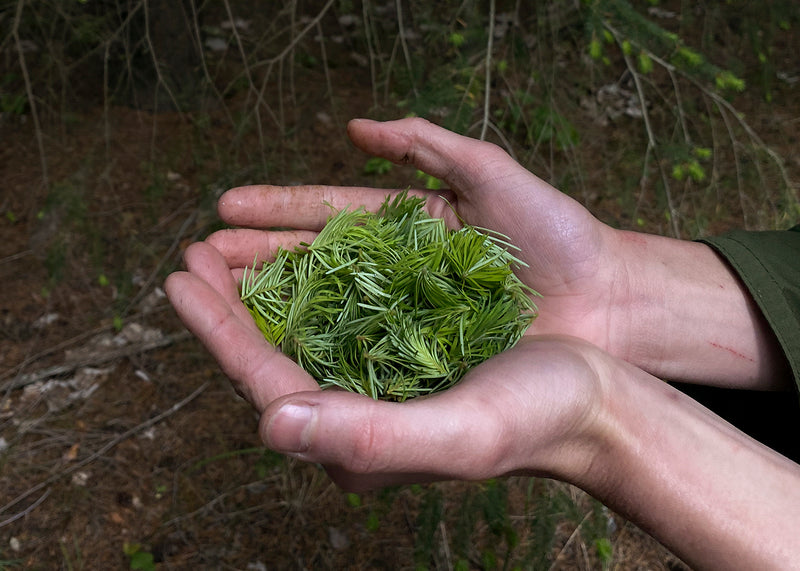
{"x": 391, "y": 305}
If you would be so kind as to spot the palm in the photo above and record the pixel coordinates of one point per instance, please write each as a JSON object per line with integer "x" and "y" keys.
{"x": 562, "y": 243}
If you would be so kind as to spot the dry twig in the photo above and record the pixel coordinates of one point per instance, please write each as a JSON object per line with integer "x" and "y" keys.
{"x": 652, "y": 145}
{"x": 95, "y": 455}
{"x": 96, "y": 359}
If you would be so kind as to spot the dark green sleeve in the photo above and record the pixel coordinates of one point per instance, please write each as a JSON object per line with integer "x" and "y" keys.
{"x": 768, "y": 264}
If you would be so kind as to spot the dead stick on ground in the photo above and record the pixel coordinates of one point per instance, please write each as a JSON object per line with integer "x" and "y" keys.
{"x": 67, "y": 343}
{"x": 97, "y": 359}
{"x": 26, "y": 511}
{"x": 95, "y": 455}
{"x": 571, "y": 538}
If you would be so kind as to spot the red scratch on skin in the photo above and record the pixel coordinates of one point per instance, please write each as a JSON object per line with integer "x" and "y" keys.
{"x": 732, "y": 352}
{"x": 635, "y": 238}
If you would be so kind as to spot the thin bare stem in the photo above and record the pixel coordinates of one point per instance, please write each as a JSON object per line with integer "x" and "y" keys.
{"x": 487, "y": 88}
{"x": 212, "y": 84}
{"x": 292, "y": 20}
{"x": 652, "y": 145}
{"x": 29, "y": 92}
{"x": 503, "y": 139}
{"x": 156, "y": 64}
{"x": 737, "y": 163}
{"x": 371, "y": 50}
{"x": 402, "y": 33}
{"x": 679, "y": 107}
{"x": 389, "y": 67}
{"x": 249, "y": 74}
{"x": 324, "y": 54}
{"x": 291, "y": 45}
{"x": 269, "y": 63}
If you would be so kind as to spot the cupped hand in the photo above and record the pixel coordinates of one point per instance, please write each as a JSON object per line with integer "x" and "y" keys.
{"x": 567, "y": 250}
{"x": 531, "y": 409}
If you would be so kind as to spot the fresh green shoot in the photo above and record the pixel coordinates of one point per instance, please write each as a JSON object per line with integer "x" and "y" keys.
{"x": 392, "y": 305}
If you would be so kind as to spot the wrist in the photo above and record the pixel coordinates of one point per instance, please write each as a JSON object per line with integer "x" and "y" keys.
{"x": 677, "y": 470}
{"x": 584, "y": 437}
{"x": 681, "y": 313}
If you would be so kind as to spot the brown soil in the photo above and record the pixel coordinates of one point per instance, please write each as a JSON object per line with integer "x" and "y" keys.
{"x": 80, "y": 479}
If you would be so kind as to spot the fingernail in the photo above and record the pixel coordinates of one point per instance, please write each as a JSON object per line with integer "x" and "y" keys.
{"x": 290, "y": 428}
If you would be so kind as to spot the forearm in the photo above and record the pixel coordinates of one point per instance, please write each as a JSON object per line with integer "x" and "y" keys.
{"x": 714, "y": 496}
{"x": 684, "y": 315}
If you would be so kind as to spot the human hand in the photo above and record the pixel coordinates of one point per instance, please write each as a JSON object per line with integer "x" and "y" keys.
{"x": 550, "y": 406}
{"x": 565, "y": 247}
{"x": 671, "y": 307}
{"x": 527, "y": 410}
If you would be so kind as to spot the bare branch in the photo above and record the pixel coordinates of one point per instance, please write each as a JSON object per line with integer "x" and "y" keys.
{"x": 402, "y": 33}
{"x": 96, "y": 359}
{"x": 652, "y": 145}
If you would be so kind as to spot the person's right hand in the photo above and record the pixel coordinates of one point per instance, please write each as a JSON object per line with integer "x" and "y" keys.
{"x": 669, "y": 306}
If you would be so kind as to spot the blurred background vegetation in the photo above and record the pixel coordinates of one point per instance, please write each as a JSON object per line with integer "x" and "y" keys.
{"x": 123, "y": 120}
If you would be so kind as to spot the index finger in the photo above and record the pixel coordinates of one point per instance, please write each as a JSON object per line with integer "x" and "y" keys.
{"x": 307, "y": 207}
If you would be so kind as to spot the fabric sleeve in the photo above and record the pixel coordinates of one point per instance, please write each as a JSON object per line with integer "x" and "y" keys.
{"x": 768, "y": 263}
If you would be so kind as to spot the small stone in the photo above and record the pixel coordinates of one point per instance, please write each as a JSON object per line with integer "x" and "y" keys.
{"x": 80, "y": 479}
{"x": 338, "y": 539}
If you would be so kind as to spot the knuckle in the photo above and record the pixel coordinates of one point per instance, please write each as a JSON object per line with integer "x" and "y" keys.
{"x": 490, "y": 443}
{"x": 365, "y": 454}
{"x": 419, "y": 123}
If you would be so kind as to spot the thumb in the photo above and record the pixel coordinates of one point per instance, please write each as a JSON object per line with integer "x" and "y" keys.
{"x": 366, "y": 443}
{"x": 462, "y": 162}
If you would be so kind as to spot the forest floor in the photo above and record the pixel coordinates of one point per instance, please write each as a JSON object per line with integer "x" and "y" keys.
{"x": 121, "y": 442}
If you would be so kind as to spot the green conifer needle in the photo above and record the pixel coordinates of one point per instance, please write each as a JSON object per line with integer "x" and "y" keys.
{"x": 391, "y": 305}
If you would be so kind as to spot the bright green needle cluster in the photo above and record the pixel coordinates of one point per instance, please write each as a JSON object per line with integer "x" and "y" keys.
{"x": 391, "y": 305}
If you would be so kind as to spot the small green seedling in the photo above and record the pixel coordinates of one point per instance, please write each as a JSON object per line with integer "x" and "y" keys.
{"x": 391, "y": 305}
